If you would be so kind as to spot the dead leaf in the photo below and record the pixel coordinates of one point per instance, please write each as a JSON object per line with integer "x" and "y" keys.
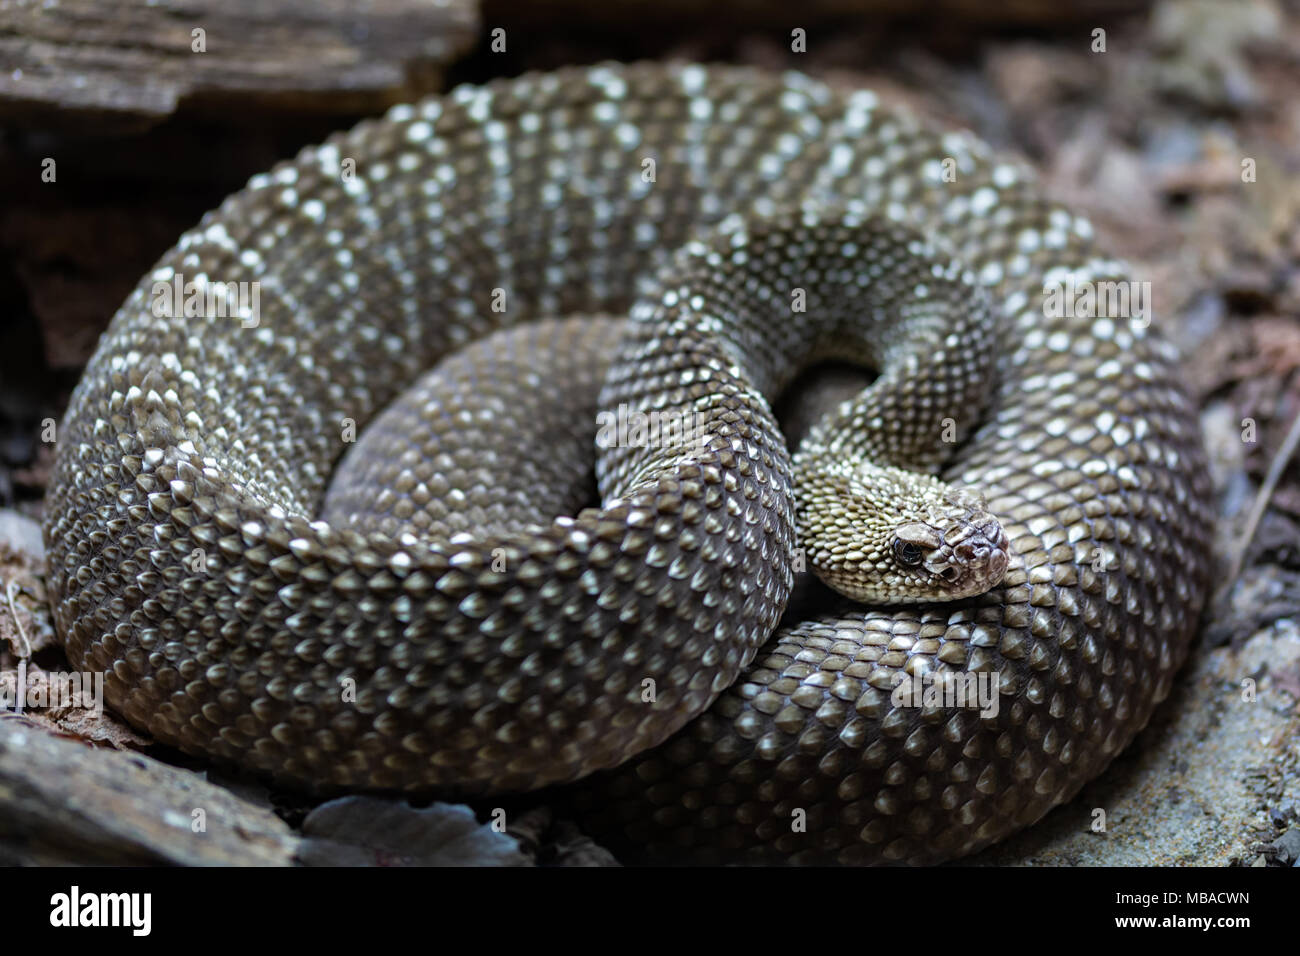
{"x": 25, "y": 623}
{"x": 69, "y": 704}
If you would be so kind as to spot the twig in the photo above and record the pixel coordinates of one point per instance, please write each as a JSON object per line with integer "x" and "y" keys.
{"x": 1262, "y": 499}
{"x": 10, "y": 589}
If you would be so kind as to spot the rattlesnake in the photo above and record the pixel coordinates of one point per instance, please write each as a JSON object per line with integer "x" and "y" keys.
{"x": 749, "y": 223}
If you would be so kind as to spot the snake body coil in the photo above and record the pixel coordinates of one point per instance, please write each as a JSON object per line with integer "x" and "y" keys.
{"x": 446, "y": 634}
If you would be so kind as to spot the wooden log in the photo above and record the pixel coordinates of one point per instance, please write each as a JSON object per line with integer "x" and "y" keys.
{"x": 129, "y": 64}
{"x": 640, "y": 16}
{"x": 65, "y": 802}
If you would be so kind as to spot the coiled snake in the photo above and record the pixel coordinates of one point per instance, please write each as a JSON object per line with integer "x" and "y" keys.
{"x": 443, "y": 633}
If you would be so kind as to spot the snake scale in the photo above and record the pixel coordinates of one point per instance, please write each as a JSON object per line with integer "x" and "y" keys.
{"x": 446, "y": 634}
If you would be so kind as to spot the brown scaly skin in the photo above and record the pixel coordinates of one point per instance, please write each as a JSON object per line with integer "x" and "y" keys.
{"x": 187, "y": 561}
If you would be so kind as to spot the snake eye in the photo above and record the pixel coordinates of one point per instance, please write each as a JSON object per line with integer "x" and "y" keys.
{"x": 907, "y": 553}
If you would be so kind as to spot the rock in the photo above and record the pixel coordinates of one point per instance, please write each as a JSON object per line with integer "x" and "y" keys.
{"x": 22, "y": 535}
{"x": 1288, "y": 846}
{"x": 371, "y": 831}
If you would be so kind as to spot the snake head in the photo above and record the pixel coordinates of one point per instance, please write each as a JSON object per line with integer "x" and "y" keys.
{"x": 886, "y": 536}
{"x": 958, "y": 550}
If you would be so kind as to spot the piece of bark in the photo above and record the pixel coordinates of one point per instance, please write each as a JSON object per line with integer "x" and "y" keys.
{"x": 642, "y": 15}
{"x": 62, "y": 802}
{"x": 128, "y": 64}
